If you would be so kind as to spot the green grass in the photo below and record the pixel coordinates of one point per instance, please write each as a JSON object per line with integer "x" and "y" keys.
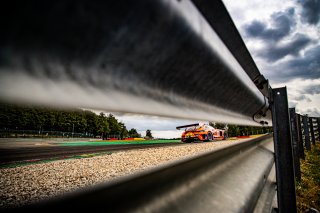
{"x": 308, "y": 189}
{"x": 37, "y": 161}
{"x": 99, "y": 143}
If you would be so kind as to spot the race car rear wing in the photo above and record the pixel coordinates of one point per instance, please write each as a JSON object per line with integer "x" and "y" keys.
{"x": 180, "y": 127}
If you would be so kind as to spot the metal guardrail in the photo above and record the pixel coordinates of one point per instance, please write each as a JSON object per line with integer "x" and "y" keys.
{"x": 170, "y": 58}
{"x": 150, "y": 57}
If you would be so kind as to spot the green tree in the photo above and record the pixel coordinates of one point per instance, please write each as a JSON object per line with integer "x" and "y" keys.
{"x": 148, "y": 133}
{"x": 233, "y": 130}
{"x": 103, "y": 125}
{"x": 115, "y": 128}
{"x": 92, "y": 122}
{"x": 217, "y": 125}
{"x": 134, "y": 134}
{"x": 123, "y": 130}
{"x": 27, "y": 117}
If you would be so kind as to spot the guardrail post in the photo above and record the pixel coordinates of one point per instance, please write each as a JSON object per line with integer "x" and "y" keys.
{"x": 295, "y": 143}
{"x": 306, "y": 132}
{"x": 286, "y": 191}
{"x": 318, "y": 122}
{"x": 313, "y": 139}
{"x": 300, "y": 138}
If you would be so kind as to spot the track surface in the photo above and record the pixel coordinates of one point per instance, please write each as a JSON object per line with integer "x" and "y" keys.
{"x": 8, "y": 155}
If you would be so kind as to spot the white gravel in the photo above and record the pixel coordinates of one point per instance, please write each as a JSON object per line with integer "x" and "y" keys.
{"x": 25, "y": 184}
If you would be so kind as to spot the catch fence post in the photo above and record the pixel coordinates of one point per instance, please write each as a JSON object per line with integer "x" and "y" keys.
{"x": 306, "y": 132}
{"x": 286, "y": 191}
{"x": 301, "y": 147}
{"x": 295, "y": 143}
{"x": 312, "y": 131}
{"x": 318, "y": 122}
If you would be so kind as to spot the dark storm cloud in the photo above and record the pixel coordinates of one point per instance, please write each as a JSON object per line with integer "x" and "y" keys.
{"x": 306, "y": 66}
{"x": 312, "y": 112}
{"x": 302, "y": 98}
{"x": 274, "y": 52}
{"x": 255, "y": 29}
{"x": 310, "y": 11}
{"x": 292, "y": 103}
{"x": 282, "y": 24}
{"x": 313, "y": 89}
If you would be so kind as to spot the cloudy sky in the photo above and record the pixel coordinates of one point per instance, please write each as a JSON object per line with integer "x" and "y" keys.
{"x": 284, "y": 39}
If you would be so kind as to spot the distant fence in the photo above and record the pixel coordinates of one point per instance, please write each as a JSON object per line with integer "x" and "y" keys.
{"x": 305, "y": 132}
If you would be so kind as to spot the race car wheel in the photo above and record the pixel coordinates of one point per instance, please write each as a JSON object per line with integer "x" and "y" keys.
{"x": 209, "y": 137}
{"x": 185, "y": 140}
{"x": 225, "y": 136}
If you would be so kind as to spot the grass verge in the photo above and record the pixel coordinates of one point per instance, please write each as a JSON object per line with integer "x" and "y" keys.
{"x": 98, "y": 143}
{"x": 37, "y": 161}
{"x": 308, "y": 189}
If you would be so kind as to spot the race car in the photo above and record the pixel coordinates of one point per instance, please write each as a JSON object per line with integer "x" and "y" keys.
{"x": 201, "y": 132}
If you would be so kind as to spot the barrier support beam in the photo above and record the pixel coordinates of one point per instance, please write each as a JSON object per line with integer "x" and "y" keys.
{"x": 295, "y": 143}
{"x": 313, "y": 139}
{"x": 301, "y": 148}
{"x": 306, "y": 132}
{"x": 286, "y": 191}
{"x": 318, "y": 122}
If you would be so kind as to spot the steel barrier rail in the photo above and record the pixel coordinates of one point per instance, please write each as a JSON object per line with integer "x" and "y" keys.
{"x": 150, "y": 57}
{"x": 221, "y": 22}
{"x": 166, "y": 57}
{"x": 238, "y": 178}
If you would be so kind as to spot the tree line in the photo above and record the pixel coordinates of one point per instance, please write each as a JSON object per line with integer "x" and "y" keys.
{"x": 236, "y": 130}
{"x": 46, "y": 119}
{"x": 24, "y": 117}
